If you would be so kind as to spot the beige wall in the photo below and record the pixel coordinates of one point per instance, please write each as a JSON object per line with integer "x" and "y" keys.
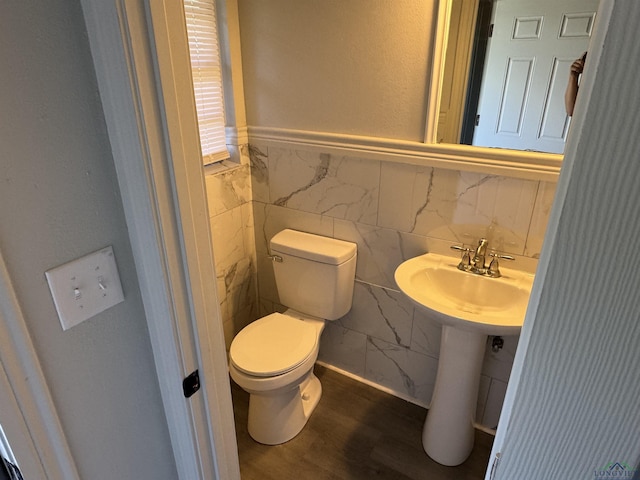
{"x": 356, "y": 67}
{"x": 59, "y": 200}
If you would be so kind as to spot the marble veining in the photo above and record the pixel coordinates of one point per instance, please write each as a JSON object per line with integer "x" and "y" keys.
{"x": 452, "y": 205}
{"x": 321, "y": 171}
{"x": 229, "y": 198}
{"x": 340, "y": 187}
{"x": 393, "y": 212}
{"x": 388, "y": 320}
{"x": 408, "y": 382}
{"x": 259, "y": 162}
{"x": 228, "y": 238}
{"x": 405, "y": 191}
{"x": 409, "y": 373}
{"x": 379, "y": 251}
{"x": 380, "y": 312}
{"x": 426, "y": 333}
{"x": 422, "y": 207}
{"x": 228, "y": 189}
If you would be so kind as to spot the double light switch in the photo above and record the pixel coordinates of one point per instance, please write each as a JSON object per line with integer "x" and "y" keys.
{"x": 85, "y": 287}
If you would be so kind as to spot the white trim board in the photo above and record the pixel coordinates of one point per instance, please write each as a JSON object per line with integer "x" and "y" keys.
{"x": 41, "y": 425}
{"x": 508, "y": 163}
{"x": 163, "y": 205}
{"x": 181, "y": 134}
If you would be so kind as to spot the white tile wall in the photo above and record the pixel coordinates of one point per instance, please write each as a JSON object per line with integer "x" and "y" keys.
{"x": 233, "y": 237}
{"x": 401, "y": 369}
{"x": 381, "y": 313}
{"x": 393, "y": 212}
{"x": 341, "y": 187}
{"x": 343, "y": 348}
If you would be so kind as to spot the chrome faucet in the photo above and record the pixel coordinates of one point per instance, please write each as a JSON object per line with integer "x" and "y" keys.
{"x": 477, "y": 263}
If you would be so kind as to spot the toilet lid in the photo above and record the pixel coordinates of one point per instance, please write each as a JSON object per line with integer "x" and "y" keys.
{"x": 272, "y": 345}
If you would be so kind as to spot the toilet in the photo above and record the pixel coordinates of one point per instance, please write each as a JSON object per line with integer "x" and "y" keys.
{"x": 273, "y": 358}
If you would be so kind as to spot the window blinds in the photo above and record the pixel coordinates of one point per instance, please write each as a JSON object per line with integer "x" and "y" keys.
{"x": 207, "y": 78}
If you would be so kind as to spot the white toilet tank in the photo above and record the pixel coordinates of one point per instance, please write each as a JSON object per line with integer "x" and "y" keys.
{"x": 316, "y": 274}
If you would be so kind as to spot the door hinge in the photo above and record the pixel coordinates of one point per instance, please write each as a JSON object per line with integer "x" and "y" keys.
{"x": 494, "y": 466}
{"x": 477, "y": 120}
{"x": 491, "y": 30}
{"x": 191, "y": 384}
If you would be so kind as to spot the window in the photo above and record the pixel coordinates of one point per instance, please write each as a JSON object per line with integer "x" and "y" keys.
{"x": 207, "y": 78}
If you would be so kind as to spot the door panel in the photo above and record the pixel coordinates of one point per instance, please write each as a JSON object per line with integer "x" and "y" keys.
{"x": 527, "y": 70}
{"x": 516, "y": 90}
{"x": 555, "y": 122}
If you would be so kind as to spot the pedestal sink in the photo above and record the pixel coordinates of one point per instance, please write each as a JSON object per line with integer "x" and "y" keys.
{"x": 470, "y": 307}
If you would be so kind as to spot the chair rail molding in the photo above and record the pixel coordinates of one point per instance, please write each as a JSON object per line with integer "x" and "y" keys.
{"x": 509, "y": 163}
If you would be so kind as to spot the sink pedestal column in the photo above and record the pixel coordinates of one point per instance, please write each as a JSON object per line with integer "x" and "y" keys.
{"x": 448, "y": 433}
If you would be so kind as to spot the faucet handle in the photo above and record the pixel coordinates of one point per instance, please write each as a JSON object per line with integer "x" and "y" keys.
{"x": 460, "y": 248}
{"x": 494, "y": 266}
{"x": 500, "y": 255}
{"x": 465, "y": 262}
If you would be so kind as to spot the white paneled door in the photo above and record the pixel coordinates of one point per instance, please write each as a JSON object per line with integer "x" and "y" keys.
{"x": 526, "y": 72}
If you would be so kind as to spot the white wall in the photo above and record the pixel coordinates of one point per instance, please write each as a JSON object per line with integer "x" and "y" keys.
{"x": 357, "y": 67}
{"x": 59, "y": 200}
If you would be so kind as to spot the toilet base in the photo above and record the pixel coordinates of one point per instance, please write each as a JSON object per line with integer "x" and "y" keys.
{"x": 277, "y": 417}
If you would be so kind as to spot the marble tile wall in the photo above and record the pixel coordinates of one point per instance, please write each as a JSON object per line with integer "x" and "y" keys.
{"x": 393, "y": 212}
{"x": 233, "y": 238}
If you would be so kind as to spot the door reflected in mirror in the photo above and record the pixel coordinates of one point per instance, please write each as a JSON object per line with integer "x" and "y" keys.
{"x": 506, "y": 71}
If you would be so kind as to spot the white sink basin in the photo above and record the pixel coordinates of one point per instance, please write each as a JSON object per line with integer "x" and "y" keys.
{"x": 469, "y": 307}
{"x": 493, "y": 306}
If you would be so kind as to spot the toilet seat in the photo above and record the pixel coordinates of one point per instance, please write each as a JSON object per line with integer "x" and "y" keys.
{"x": 273, "y": 345}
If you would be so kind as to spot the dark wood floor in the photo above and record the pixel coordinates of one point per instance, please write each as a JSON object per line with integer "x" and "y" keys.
{"x": 356, "y": 432}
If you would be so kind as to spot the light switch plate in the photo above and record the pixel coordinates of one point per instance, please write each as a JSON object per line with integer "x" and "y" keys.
{"x": 85, "y": 287}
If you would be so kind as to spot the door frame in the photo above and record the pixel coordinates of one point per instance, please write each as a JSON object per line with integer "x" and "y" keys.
{"x": 35, "y": 431}
{"x": 139, "y": 49}
{"x": 15, "y": 428}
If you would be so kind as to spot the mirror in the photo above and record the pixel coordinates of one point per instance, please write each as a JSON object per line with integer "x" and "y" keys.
{"x": 504, "y": 68}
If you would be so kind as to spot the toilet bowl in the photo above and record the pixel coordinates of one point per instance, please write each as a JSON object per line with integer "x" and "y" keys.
{"x": 283, "y": 389}
{"x": 273, "y": 358}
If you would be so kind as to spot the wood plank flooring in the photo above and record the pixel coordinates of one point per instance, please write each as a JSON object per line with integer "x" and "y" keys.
{"x": 356, "y": 432}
